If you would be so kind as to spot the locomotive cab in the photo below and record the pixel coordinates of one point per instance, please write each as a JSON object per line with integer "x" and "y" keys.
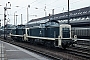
{"x": 64, "y": 39}
{"x": 26, "y": 34}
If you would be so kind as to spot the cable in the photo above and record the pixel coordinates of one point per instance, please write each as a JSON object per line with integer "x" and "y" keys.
{"x": 61, "y": 6}
{"x": 52, "y": 2}
{"x": 46, "y": 4}
{"x": 25, "y": 6}
{"x": 66, "y": 5}
{"x": 37, "y": 3}
{"x": 57, "y": 7}
{"x": 33, "y": 2}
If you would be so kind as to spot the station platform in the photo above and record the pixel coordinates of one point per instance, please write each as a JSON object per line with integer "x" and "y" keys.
{"x": 12, "y": 52}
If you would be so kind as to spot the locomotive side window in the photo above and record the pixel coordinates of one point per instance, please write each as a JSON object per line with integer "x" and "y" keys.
{"x": 23, "y": 31}
{"x": 13, "y": 31}
{"x": 65, "y": 32}
{"x": 28, "y": 32}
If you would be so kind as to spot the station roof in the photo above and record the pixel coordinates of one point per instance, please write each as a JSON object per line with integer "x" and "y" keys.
{"x": 61, "y": 16}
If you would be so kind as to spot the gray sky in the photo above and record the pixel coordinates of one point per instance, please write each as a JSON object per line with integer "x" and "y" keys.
{"x": 59, "y": 6}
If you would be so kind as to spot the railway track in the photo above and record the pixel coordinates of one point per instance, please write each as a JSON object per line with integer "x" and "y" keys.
{"x": 79, "y": 52}
{"x": 82, "y": 48}
{"x": 35, "y": 49}
{"x": 54, "y": 53}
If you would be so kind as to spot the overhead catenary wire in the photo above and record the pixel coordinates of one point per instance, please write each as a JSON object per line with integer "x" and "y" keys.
{"x": 70, "y": 3}
{"x": 49, "y": 9}
{"x": 33, "y": 2}
{"x": 48, "y": 5}
{"x": 26, "y": 6}
{"x": 64, "y": 5}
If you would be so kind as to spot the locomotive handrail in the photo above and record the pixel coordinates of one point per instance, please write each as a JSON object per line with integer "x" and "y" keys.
{"x": 17, "y": 35}
{"x": 84, "y": 39}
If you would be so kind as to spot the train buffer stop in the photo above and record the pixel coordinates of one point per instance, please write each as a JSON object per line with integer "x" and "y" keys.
{"x": 12, "y": 52}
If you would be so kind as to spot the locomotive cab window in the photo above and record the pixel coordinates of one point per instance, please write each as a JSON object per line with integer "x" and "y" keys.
{"x": 66, "y": 32}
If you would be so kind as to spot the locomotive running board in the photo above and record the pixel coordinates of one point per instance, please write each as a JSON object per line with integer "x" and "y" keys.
{"x": 45, "y": 38}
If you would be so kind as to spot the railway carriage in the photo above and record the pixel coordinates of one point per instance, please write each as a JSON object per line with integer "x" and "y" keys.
{"x": 81, "y": 32}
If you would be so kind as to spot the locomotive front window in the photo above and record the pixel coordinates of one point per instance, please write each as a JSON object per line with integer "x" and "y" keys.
{"x": 65, "y": 32}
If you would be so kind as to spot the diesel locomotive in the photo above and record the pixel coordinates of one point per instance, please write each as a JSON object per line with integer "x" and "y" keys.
{"x": 58, "y": 35}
